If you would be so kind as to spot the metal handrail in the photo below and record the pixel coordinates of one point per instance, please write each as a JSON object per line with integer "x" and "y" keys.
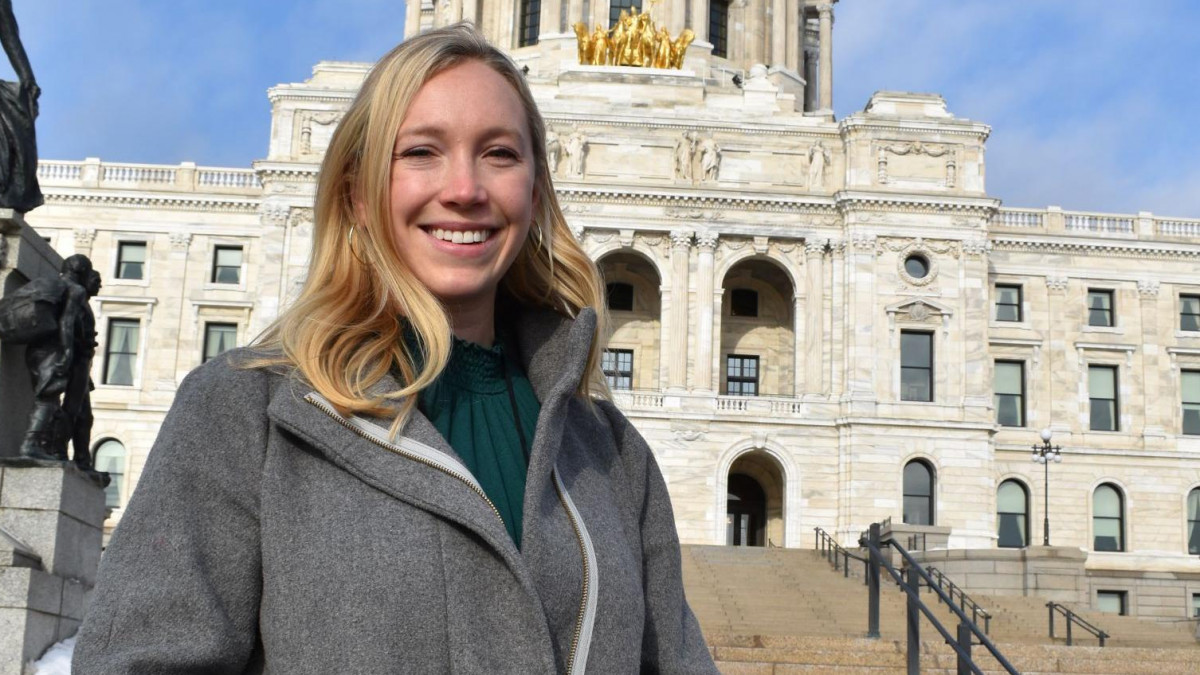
{"x": 1073, "y": 618}
{"x": 964, "y": 600}
{"x": 912, "y": 588}
{"x": 829, "y": 549}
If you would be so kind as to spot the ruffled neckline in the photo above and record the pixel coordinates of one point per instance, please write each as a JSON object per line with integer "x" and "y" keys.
{"x": 476, "y": 368}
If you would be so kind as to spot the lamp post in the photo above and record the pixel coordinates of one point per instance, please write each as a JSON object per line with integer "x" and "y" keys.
{"x": 1044, "y": 454}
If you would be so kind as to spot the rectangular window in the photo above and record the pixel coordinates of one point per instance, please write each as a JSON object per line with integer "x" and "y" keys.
{"x": 131, "y": 260}
{"x": 1010, "y": 393}
{"x": 1111, "y": 602}
{"x": 615, "y": 7}
{"x": 1196, "y": 605}
{"x": 619, "y": 296}
{"x": 617, "y": 365}
{"x": 218, "y": 337}
{"x": 120, "y": 351}
{"x": 916, "y": 366}
{"x": 531, "y": 19}
{"x": 227, "y": 265}
{"x": 741, "y": 375}
{"x": 1191, "y": 402}
{"x": 743, "y": 302}
{"x": 1100, "y": 308}
{"x": 1008, "y": 302}
{"x": 1102, "y": 397}
{"x": 718, "y": 26}
{"x": 1189, "y": 312}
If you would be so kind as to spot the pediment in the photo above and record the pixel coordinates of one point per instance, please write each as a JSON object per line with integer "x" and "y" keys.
{"x": 919, "y": 310}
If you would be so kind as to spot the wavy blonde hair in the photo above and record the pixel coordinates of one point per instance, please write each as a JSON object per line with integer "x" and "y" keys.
{"x": 345, "y": 331}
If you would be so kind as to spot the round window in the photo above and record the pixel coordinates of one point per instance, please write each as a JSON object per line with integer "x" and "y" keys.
{"x": 916, "y": 266}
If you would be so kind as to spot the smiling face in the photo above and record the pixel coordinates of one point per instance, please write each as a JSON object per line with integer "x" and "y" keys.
{"x": 462, "y": 187}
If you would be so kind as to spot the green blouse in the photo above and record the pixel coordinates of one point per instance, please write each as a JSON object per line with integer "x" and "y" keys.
{"x": 472, "y": 405}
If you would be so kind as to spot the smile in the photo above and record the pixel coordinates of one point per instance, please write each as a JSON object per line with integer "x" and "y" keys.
{"x": 460, "y": 236}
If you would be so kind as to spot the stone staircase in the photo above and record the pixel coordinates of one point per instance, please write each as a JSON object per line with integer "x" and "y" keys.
{"x": 777, "y": 611}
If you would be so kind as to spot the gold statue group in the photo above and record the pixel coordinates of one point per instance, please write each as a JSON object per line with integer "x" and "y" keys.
{"x": 633, "y": 41}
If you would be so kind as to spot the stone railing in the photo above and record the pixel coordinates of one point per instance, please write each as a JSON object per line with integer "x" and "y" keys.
{"x": 1097, "y": 222}
{"x": 187, "y": 177}
{"x": 639, "y": 400}
{"x": 1177, "y": 227}
{"x": 1053, "y": 220}
{"x": 1017, "y": 218}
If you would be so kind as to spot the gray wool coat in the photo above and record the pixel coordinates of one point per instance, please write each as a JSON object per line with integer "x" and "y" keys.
{"x": 270, "y": 534}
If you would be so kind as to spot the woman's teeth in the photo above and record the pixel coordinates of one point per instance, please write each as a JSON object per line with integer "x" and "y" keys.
{"x": 461, "y": 237}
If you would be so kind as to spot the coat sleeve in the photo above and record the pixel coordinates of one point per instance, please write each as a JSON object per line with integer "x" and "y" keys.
{"x": 671, "y": 639}
{"x": 179, "y": 584}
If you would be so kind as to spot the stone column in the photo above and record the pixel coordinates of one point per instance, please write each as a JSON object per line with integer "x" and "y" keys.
{"x": 814, "y": 330}
{"x": 1155, "y": 371}
{"x": 1063, "y": 378}
{"x": 177, "y": 275}
{"x": 677, "y": 345}
{"x": 794, "y": 30}
{"x": 798, "y": 344}
{"x": 700, "y": 19}
{"x": 548, "y": 22}
{"x": 825, "y": 12}
{"x": 975, "y": 382}
{"x": 778, "y": 31}
{"x": 707, "y": 243}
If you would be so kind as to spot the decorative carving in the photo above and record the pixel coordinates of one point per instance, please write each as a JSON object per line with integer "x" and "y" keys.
{"x": 863, "y": 242}
{"x": 689, "y": 435}
{"x": 818, "y": 157}
{"x": 918, "y": 311}
{"x": 576, "y": 148}
{"x": 694, "y": 214}
{"x": 898, "y": 245}
{"x": 951, "y": 173}
{"x": 707, "y": 241}
{"x": 685, "y": 156}
{"x": 815, "y": 247}
{"x": 577, "y": 208}
{"x": 710, "y": 159}
{"x": 625, "y": 237}
{"x": 577, "y": 231}
{"x": 274, "y": 215}
{"x": 323, "y": 119}
{"x": 977, "y": 248}
{"x": 300, "y": 218}
{"x": 553, "y": 151}
{"x": 84, "y": 236}
{"x": 180, "y": 241}
{"x": 1056, "y": 283}
{"x": 681, "y": 240}
{"x": 916, "y": 148}
{"x": 881, "y": 171}
{"x": 1148, "y": 288}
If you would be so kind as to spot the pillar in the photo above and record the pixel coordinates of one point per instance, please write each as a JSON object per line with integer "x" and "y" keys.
{"x": 794, "y": 32}
{"x": 707, "y": 244}
{"x": 677, "y": 345}
{"x": 825, "y": 12}
{"x": 814, "y": 330}
{"x": 1156, "y": 371}
{"x": 778, "y": 32}
{"x": 798, "y": 344}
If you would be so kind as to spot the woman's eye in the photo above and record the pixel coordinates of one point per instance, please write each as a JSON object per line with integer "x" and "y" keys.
{"x": 416, "y": 152}
{"x": 505, "y": 154}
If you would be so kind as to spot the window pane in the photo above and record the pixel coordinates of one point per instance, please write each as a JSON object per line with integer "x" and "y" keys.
{"x": 1193, "y": 517}
{"x": 615, "y": 7}
{"x": 218, "y": 338}
{"x": 1008, "y": 295}
{"x": 915, "y": 385}
{"x": 1107, "y": 502}
{"x": 1189, "y": 312}
{"x": 1008, "y": 378}
{"x": 1011, "y": 497}
{"x": 620, "y": 296}
{"x": 917, "y": 479}
{"x": 110, "y": 457}
{"x": 121, "y": 352}
{"x": 915, "y": 349}
{"x": 1099, "y": 308}
{"x": 1110, "y": 602}
{"x": 1191, "y": 386}
{"x": 1010, "y": 530}
{"x": 1102, "y": 382}
{"x": 916, "y": 511}
{"x": 743, "y": 302}
{"x": 131, "y": 259}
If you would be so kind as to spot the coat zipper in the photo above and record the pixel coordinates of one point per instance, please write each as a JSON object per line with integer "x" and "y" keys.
{"x": 585, "y": 591}
{"x": 328, "y": 410}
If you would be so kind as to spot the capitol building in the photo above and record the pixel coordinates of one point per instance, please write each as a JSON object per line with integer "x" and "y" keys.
{"x": 816, "y": 322}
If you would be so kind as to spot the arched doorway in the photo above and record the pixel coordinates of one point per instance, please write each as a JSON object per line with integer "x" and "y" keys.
{"x": 746, "y": 513}
{"x": 754, "y": 501}
{"x": 631, "y": 285}
{"x": 758, "y": 341}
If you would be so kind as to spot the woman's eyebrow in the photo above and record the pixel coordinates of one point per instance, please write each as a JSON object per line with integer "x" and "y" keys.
{"x": 438, "y": 131}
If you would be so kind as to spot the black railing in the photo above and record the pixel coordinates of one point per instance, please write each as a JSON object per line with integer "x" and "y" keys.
{"x": 964, "y": 601}
{"x": 911, "y": 583}
{"x": 836, "y": 555}
{"x": 1073, "y": 618}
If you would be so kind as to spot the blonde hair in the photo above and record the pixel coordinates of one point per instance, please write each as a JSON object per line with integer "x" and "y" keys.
{"x": 345, "y": 332}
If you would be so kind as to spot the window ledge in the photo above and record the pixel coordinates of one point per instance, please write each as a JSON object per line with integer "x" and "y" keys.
{"x": 1116, "y": 330}
{"x": 1019, "y": 325}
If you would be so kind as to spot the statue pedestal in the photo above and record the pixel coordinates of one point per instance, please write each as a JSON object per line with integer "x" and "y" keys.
{"x": 24, "y": 256}
{"x": 51, "y": 527}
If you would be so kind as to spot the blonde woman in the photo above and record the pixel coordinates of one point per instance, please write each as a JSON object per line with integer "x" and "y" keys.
{"x": 411, "y": 471}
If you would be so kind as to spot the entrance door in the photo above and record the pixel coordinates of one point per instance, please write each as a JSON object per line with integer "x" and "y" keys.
{"x": 745, "y": 512}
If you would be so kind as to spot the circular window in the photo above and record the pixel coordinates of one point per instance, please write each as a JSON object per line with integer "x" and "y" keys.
{"x": 916, "y": 266}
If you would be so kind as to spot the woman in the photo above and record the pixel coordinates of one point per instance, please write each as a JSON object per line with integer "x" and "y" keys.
{"x": 409, "y": 472}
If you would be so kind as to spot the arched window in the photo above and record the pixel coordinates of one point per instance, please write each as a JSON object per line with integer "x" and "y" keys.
{"x": 1012, "y": 515}
{"x": 746, "y": 512}
{"x": 918, "y": 493}
{"x": 619, "y": 296}
{"x": 1193, "y": 516}
{"x": 1108, "y": 519}
{"x": 110, "y": 456}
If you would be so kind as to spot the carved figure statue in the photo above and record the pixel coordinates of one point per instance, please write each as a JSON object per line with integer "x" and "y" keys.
{"x": 646, "y": 42}
{"x": 662, "y": 49}
{"x": 710, "y": 159}
{"x": 51, "y": 316}
{"x": 680, "y": 46}
{"x": 553, "y": 151}
{"x": 18, "y": 109}
{"x": 583, "y": 42}
{"x": 620, "y": 36}
{"x": 685, "y": 152}
{"x": 818, "y": 157}
{"x": 576, "y": 146}
{"x": 601, "y": 47}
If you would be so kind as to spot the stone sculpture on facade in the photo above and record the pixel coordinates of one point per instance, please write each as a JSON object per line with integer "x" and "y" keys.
{"x": 685, "y": 153}
{"x": 575, "y": 148}
{"x": 818, "y": 157}
{"x": 634, "y": 40}
{"x": 51, "y": 316}
{"x": 18, "y": 109}
{"x": 710, "y": 159}
{"x": 553, "y": 151}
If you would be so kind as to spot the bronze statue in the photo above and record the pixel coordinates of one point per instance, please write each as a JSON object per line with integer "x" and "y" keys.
{"x": 51, "y": 316}
{"x": 18, "y": 109}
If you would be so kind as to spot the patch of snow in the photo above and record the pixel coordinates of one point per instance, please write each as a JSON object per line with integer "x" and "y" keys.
{"x": 56, "y": 660}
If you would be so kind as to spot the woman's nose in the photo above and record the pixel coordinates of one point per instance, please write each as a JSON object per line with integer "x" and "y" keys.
{"x": 463, "y": 183}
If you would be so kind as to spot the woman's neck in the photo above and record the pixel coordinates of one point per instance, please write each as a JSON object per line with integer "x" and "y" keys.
{"x": 475, "y": 324}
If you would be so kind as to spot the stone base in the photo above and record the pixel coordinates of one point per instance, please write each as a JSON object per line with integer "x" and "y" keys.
{"x": 51, "y": 519}
{"x": 1051, "y": 572}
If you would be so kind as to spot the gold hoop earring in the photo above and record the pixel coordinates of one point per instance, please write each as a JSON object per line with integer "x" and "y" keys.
{"x": 350, "y": 245}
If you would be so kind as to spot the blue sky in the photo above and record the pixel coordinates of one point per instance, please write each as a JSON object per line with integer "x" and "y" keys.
{"x": 1092, "y": 103}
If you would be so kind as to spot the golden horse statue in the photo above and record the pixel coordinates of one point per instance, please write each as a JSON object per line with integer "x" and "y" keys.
{"x": 633, "y": 40}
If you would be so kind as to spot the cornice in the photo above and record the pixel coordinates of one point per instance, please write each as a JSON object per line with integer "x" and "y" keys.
{"x": 656, "y": 124}
{"x": 850, "y": 201}
{"x": 629, "y": 197}
{"x": 286, "y": 172}
{"x": 1112, "y": 248}
{"x": 166, "y": 201}
{"x": 946, "y": 127}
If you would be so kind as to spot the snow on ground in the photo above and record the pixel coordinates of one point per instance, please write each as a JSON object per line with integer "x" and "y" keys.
{"x": 56, "y": 660}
